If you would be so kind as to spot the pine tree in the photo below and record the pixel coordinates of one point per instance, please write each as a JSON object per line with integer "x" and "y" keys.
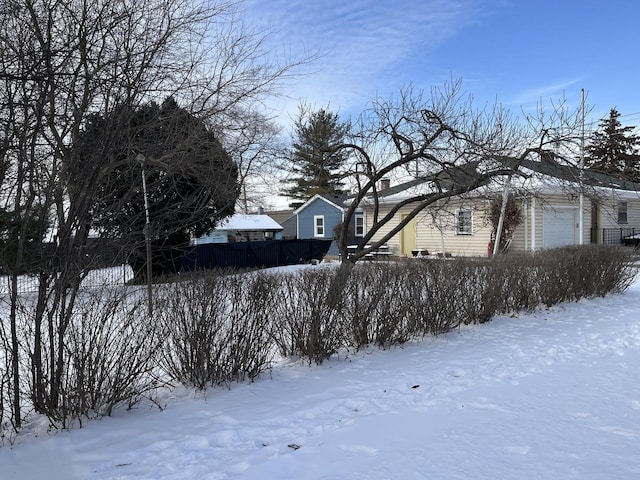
{"x": 614, "y": 149}
{"x": 315, "y": 162}
{"x": 191, "y": 181}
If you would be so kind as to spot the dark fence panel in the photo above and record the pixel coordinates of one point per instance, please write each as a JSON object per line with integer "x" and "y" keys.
{"x": 106, "y": 263}
{"x": 616, "y": 236}
{"x": 293, "y": 252}
{"x": 269, "y": 253}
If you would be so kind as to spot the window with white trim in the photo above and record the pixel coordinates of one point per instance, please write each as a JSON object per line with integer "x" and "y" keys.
{"x": 318, "y": 225}
{"x": 464, "y": 221}
{"x": 622, "y": 212}
{"x": 359, "y": 225}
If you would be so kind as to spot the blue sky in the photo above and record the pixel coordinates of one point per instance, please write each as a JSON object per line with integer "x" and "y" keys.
{"x": 517, "y": 52}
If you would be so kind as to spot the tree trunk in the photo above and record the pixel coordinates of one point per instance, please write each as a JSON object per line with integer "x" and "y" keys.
{"x": 15, "y": 357}
{"x": 339, "y": 283}
{"x": 37, "y": 367}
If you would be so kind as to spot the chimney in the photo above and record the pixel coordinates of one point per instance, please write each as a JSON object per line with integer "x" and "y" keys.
{"x": 546, "y": 156}
{"x": 384, "y": 184}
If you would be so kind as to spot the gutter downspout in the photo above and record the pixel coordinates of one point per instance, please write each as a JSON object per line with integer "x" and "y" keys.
{"x": 526, "y": 224}
{"x": 533, "y": 224}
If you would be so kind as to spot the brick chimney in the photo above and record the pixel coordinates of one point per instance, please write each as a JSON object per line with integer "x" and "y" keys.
{"x": 384, "y": 184}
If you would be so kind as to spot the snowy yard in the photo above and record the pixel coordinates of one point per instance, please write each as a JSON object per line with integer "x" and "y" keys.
{"x": 119, "y": 275}
{"x": 554, "y": 394}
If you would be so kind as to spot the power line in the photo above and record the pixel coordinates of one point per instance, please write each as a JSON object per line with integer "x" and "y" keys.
{"x": 630, "y": 114}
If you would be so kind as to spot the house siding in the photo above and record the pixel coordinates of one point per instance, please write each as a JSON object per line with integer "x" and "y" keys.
{"x": 289, "y": 228}
{"x": 609, "y": 213}
{"x": 332, "y": 217}
{"x": 287, "y": 220}
{"x": 394, "y": 242}
{"x": 529, "y": 236}
{"x": 608, "y": 230}
{"x": 551, "y": 206}
{"x": 633, "y": 213}
{"x": 428, "y": 237}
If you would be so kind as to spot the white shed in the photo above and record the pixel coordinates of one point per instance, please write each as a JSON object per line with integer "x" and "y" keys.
{"x": 242, "y": 228}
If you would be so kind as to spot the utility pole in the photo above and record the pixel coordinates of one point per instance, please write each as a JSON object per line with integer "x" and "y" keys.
{"x": 147, "y": 238}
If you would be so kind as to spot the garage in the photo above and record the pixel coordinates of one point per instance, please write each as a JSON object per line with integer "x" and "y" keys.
{"x": 559, "y": 226}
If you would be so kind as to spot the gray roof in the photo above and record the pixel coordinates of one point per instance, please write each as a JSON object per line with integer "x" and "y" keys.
{"x": 464, "y": 175}
{"x": 280, "y": 216}
{"x": 572, "y": 174}
{"x": 455, "y": 176}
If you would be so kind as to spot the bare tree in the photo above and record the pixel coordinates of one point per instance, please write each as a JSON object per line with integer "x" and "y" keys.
{"x": 445, "y": 147}
{"x": 62, "y": 62}
{"x": 254, "y": 140}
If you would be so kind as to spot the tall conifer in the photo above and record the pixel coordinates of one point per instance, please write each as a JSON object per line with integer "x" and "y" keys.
{"x": 315, "y": 163}
{"x": 614, "y": 149}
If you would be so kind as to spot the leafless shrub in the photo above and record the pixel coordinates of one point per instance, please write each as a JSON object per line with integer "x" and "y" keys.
{"x": 438, "y": 290}
{"x": 523, "y": 282}
{"x": 559, "y": 276}
{"x": 370, "y": 301}
{"x": 615, "y": 270}
{"x": 395, "y": 314}
{"x": 390, "y": 303}
{"x": 249, "y": 343}
{"x": 515, "y": 276}
{"x": 221, "y": 328}
{"x": 476, "y": 297}
{"x": 572, "y": 273}
{"x": 304, "y": 324}
{"x": 105, "y": 357}
{"x": 112, "y": 348}
{"x": 361, "y": 296}
{"x": 216, "y": 328}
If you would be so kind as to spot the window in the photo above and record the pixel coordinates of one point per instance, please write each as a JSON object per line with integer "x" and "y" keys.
{"x": 464, "y": 221}
{"x": 622, "y": 212}
{"x": 359, "y": 221}
{"x": 318, "y": 226}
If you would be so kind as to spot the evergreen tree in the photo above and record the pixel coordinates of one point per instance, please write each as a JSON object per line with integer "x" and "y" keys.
{"x": 22, "y": 239}
{"x": 315, "y": 162}
{"x": 191, "y": 181}
{"x": 614, "y": 149}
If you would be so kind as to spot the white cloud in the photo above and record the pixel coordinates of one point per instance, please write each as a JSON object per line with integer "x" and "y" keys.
{"x": 546, "y": 95}
{"x": 365, "y": 47}
{"x": 544, "y": 92}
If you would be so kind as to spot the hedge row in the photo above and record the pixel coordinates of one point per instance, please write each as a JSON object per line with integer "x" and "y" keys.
{"x": 214, "y": 328}
{"x": 224, "y": 328}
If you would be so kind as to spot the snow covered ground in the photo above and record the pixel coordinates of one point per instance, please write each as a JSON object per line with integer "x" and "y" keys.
{"x": 96, "y": 278}
{"x": 549, "y": 395}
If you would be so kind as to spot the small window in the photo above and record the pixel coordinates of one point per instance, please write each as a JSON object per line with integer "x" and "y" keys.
{"x": 359, "y": 221}
{"x": 318, "y": 226}
{"x": 622, "y": 212}
{"x": 464, "y": 221}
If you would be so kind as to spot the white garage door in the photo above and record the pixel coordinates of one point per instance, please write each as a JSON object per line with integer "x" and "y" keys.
{"x": 559, "y": 227}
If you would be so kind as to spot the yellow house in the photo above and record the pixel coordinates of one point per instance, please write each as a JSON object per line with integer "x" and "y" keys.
{"x": 554, "y": 213}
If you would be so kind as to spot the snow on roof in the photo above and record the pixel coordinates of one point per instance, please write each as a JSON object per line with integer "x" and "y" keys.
{"x": 240, "y": 222}
{"x": 337, "y": 201}
{"x": 537, "y": 178}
